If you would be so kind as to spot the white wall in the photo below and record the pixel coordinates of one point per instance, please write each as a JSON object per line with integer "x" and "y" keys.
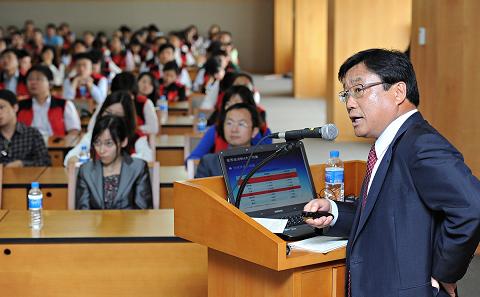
{"x": 250, "y": 21}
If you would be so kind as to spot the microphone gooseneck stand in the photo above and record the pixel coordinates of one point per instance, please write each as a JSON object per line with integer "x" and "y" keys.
{"x": 283, "y": 150}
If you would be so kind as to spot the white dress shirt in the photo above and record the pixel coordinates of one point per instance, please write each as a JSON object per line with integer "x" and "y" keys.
{"x": 381, "y": 145}
{"x": 42, "y": 123}
{"x": 97, "y": 91}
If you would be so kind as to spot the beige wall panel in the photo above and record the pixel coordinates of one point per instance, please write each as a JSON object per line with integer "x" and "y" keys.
{"x": 283, "y": 36}
{"x": 355, "y": 26}
{"x": 447, "y": 71}
{"x": 310, "y": 48}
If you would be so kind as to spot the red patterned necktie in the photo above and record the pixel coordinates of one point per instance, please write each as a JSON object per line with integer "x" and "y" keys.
{"x": 372, "y": 159}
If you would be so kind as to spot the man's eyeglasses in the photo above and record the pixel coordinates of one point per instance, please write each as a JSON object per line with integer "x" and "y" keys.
{"x": 356, "y": 91}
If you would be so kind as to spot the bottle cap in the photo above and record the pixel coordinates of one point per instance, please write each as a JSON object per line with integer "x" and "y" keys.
{"x": 35, "y": 185}
{"x": 84, "y": 146}
{"x": 334, "y": 154}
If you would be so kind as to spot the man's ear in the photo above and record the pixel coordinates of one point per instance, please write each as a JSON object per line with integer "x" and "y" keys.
{"x": 255, "y": 132}
{"x": 15, "y": 108}
{"x": 400, "y": 92}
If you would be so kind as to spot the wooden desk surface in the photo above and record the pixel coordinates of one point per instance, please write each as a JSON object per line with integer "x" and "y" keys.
{"x": 67, "y": 142}
{"x": 54, "y": 176}
{"x": 179, "y": 121}
{"x": 164, "y": 141}
{"x": 180, "y": 106}
{"x": 89, "y": 225}
{"x": 3, "y": 212}
{"x": 170, "y": 174}
{"x": 21, "y": 176}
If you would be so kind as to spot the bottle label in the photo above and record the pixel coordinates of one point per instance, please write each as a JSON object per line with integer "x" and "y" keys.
{"x": 35, "y": 202}
{"x": 334, "y": 175}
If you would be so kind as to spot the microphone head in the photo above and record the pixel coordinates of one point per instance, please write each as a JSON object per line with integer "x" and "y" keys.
{"x": 329, "y": 131}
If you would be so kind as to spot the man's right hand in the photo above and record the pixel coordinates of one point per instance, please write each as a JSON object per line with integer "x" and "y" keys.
{"x": 316, "y": 205}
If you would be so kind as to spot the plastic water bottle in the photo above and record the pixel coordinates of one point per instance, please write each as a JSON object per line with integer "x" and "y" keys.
{"x": 35, "y": 198}
{"x": 162, "y": 105}
{"x": 202, "y": 123}
{"x": 334, "y": 176}
{"x": 84, "y": 156}
{"x": 83, "y": 91}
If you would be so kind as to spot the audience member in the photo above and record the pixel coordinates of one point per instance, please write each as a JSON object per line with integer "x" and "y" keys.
{"x": 113, "y": 179}
{"x": 118, "y": 103}
{"x": 19, "y": 145}
{"x": 11, "y": 79}
{"x": 85, "y": 84}
{"x": 49, "y": 114}
{"x": 169, "y": 85}
{"x": 238, "y": 125}
{"x": 212, "y": 142}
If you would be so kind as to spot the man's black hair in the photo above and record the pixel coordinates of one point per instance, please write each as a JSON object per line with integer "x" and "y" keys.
{"x": 172, "y": 65}
{"x": 166, "y": 46}
{"x": 43, "y": 70}
{"x": 390, "y": 65}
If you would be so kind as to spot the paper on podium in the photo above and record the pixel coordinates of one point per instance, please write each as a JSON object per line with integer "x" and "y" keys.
{"x": 319, "y": 244}
{"x": 273, "y": 225}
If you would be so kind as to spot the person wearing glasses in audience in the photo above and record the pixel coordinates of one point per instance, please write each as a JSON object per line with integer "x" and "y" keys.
{"x": 212, "y": 142}
{"x": 49, "y": 114}
{"x": 113, "y": 179}
{"x": 416, "y": 224}
{"x": 19, "y": 145}
{"x": 237, "y": 126}
{"x": 118, "y": 103}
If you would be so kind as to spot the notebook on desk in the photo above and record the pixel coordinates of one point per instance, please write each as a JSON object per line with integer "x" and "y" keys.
{"x": 278, "y": 190}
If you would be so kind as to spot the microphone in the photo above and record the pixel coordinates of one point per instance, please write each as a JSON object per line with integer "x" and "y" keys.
{"x": 327, "y": 132}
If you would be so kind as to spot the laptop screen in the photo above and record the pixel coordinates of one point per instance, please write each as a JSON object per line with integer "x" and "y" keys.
{"x": 283, "y": 182}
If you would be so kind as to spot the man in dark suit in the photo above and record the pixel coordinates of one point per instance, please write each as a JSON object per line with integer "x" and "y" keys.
{"x": 416, "y": 225}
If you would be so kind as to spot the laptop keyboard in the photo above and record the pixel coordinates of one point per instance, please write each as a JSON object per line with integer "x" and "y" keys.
{"x": 294, "y": 220}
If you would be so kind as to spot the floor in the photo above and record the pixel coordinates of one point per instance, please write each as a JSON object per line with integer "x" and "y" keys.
{"x": 286, "y": 113}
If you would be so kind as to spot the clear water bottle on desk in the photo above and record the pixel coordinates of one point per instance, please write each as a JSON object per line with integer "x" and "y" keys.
{"x": 162, "y": 105}
{"x": 35, "y": 200}
{"x": 202, "y": 123}
{"x": 82, "y": 90}
{"x": 84, "y": 156}
{"x": 334, "y": 176}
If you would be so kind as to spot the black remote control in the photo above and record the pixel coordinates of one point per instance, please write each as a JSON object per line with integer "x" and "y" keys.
{"x": 315, "y": 215}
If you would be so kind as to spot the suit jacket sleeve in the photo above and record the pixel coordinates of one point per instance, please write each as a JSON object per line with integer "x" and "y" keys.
{"x": 143, "y": 190}
{"x": 82, "y": 193}
{"x": 346, "y": 215}
{"x": 446, "y": 185}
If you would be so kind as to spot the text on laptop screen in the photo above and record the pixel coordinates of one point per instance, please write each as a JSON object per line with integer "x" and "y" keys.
{"x": 283, "y": 181}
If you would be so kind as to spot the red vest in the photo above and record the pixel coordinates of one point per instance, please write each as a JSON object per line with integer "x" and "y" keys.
{"x": 120, "y": 59}
{"x": 174, "y": 92}
{"x": 220, "y": 143}
{"x": 96, "y": 78}
{"x": 55, "y": 114}
{"x": 139, "y": 104}
{"x": 21, "y": 91}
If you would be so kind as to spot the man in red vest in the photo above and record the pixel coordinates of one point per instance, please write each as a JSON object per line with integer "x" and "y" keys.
{"x": 49, "y": 114}
{"x": 85, "y": 84}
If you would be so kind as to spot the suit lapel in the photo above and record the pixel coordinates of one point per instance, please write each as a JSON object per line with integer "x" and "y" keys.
{"x": 380, "y": 175}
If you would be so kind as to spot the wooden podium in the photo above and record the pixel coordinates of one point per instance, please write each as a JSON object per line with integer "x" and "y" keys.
{"x": 244, "y": 258}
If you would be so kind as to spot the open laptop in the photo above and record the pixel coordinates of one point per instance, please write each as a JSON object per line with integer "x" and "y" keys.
{"x": 279, "y": 190}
